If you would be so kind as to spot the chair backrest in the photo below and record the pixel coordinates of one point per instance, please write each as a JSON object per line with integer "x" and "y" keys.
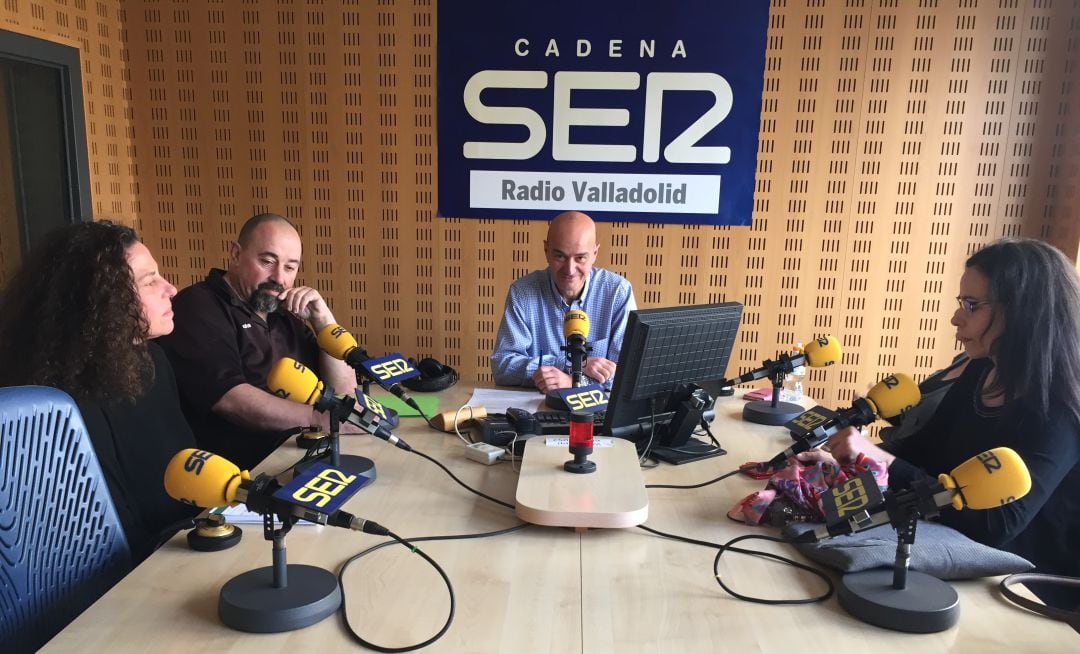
{"x": 61, "y": 543}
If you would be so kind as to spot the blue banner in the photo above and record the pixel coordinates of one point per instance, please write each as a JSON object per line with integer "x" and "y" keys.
{"x": 627, "y": 110}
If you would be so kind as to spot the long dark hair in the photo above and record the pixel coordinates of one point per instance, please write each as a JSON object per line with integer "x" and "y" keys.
{"x": 1035, "y": 290}
{"x": 71, "y": 317}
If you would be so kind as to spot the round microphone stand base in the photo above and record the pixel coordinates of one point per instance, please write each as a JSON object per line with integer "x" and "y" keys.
{"x": 925, "y": 605}
{"x": 762, "y": 412}
{"x": 213, "y": 534}
{"x": 310, "y": 439}
{"x": 249, "y": 601}
{"x": 350, "y": 463}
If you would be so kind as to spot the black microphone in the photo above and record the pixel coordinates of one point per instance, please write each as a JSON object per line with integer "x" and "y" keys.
{"x": 985, "y": 481}
{"x": 203, "y": 479}
{"x": 823, "y": 351}
{"x": 889, "y": 398}
{"x": 292, "y": 380}
{"x": 336, "y": 341}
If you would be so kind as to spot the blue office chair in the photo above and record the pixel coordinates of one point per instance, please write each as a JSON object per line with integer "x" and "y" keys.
{"x": 61, "y": 544}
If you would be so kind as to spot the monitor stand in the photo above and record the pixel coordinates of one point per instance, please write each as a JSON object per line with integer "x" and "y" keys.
{"x": 691, "y": 450}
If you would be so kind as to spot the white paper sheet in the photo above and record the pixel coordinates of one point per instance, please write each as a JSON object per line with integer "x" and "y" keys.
{"x": 498, "y": 400}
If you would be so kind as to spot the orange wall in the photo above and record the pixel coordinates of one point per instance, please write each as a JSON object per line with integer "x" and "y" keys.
{"x": 894, "y": 141}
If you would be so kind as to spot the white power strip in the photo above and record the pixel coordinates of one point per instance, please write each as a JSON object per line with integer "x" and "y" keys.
{"x": 483, "y": 453}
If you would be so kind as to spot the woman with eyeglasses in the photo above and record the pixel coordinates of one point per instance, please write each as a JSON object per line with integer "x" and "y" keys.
{"x": 1018, "y": 320}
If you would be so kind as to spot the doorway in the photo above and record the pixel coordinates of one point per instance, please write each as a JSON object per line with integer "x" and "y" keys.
{"x": 44, "y": 175}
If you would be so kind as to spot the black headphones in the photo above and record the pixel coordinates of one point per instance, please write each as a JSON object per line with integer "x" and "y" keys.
{"x": 434, "y": 376}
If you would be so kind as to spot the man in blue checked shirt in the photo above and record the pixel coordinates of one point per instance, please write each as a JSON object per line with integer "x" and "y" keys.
{"x": 527, "y": 348}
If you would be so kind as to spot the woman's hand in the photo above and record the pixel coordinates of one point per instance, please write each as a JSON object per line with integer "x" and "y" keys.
{"x": 848, "y": 443}
{"x": 815, "y": 456}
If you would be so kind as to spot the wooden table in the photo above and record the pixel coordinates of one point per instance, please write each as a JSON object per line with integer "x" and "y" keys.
{"x": 612, "y": 495}
{"x": 541, "y": 589}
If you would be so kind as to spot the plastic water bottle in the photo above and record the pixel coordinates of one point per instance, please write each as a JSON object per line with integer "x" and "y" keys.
{"x": 793, "y": 383}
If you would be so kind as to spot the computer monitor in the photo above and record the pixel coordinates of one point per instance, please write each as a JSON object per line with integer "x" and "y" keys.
{"x": 663, "y": 349}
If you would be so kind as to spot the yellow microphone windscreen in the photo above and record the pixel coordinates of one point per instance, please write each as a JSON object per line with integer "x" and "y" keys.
{"x": 201, "y": 478}
{"x": 894, "y": 395}
{"x": 990, "y": 479}
{"x": 291, "y": 380}
{"x": 822, "y": 351}
{"x": 335, "y": 340}
{"x": 576, "y": 323}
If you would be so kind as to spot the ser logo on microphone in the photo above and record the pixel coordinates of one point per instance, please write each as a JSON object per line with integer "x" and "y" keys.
{"x": 989, "y": 461}
{"x": 851, "y": 497}
{"x": 852, "y": 502}
{"x": 585, "y": 400}
{"x": 890, "y": 382}
{"x": 321, "y": 488}
{"x": 811, "y": 419}
{"x": 390, "y": 368}
{"x": 196, "y": 461}
{"x": 374, "y": 406}
{"x": 280, "y": 390}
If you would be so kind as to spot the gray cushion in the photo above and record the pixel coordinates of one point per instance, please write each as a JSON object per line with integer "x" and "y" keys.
{"x": 938, "y": 551}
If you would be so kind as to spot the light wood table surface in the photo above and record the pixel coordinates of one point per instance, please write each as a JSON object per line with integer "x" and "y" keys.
{"x": 540, "y": 589}
{"x": 612, "y": 495}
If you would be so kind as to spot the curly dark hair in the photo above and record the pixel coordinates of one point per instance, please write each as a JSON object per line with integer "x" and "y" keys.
{"x": 71, "y": 317}
{"x": 1036, "y": 290}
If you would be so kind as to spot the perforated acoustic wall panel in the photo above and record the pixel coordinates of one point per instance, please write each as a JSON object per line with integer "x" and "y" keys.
{"x": 96, "y": 28}
{"x": 896, "y": 138}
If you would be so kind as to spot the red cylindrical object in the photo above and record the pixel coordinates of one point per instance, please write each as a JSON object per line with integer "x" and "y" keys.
{"x": 581, "y": 430}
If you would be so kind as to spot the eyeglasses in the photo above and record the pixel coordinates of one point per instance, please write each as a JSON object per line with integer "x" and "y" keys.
{"x": 969, "y": 305}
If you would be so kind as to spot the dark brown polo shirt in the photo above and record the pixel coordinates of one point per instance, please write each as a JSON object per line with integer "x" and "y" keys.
{"x": 220, "y": 342}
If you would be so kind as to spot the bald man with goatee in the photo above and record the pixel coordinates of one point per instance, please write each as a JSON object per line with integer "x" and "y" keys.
{"x": 527, "y": 348}
{"x": 233, "y": 327}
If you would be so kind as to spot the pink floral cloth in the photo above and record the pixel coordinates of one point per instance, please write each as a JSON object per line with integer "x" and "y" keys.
{"x": 793, "y": 493}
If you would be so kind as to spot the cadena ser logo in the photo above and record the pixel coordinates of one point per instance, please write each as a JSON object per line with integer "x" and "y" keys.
{"x": 851, "y": 497}
{"x": 990, "y": 461}
{"x": 374, "y": 406}
{"x": 811, "y": 419}
{"x": 586, "y": 400}
{"x": 196, "y": 460}
{"x": 322, "y": 488}
{"x": 546, "y": 106}
{"x": 390, "y": 368}
{"x": 589, "y": 399}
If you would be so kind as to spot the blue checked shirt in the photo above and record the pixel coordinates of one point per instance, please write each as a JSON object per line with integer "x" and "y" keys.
{"x": 531, "y": 333}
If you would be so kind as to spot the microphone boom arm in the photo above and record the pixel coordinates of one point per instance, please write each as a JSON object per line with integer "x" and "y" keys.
{"x": 774, "y": 370}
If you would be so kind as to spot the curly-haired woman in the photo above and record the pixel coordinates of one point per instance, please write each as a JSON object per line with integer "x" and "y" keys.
{"x": 79, "y": 315}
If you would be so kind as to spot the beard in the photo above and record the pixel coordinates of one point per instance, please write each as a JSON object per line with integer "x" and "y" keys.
{"x": 264, "y": 302}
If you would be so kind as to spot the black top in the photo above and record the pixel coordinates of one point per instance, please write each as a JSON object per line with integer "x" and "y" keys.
{"x": 219, "y": 342}
{"x": 1044, "y": 525}
{"x": 134, "y": 443}
{"x": 931, "y": 391}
